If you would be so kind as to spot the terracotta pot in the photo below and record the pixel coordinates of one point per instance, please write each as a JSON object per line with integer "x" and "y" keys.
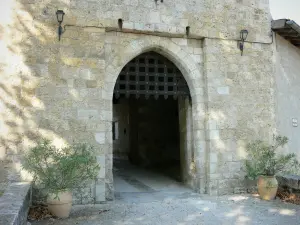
{"x": 61, "y": 206}
{"x": 267, "y": 187}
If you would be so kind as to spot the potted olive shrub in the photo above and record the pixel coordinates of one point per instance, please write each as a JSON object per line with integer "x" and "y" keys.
{"x": 263, "y": 163}
{"x": 59, "y": 170}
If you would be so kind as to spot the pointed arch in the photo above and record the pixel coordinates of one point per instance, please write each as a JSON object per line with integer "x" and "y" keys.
{"x": 185, "y": 63}
{"x": 191, "y": 71}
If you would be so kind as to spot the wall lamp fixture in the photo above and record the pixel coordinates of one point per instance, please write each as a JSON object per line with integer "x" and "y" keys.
{"x": 244, "y": 35}
{"x": 60, "y": 18}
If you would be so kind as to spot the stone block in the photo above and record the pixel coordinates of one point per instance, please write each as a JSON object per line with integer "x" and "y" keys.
{"x": 197, "y": 58}
{"x": 91, "y": 83}
{"x": 109, "y": 192}
{"x": 128, "y": 25}
{"x": 154, "y": 17}
{"x": 100, "y": 193}
{"x": 198, "y": 51}
{"x": 69, "y": 61}
{"x": 86, "y": 74}
{"x": 213, "y": 157}
{"x": 212, "y": 125}
{"x": 94, "y": 63}
{"x": 289, "y": 182}
{"x": 138, "y": 26}
{"x": 213, "y": 187}
{"x": 87, "y": 114}
{"x": 213, "y": 168}
{"x": 102, "y": 164}
{"x": 215, "y": 176}
{"x": 234, "y": 166}
{"x": 100, "y": 137}
{"x": 214, "y": 135}
{"x": 223, "y": 90}
{"x": 199, "y": 135}
{"x": 149, "y": 27}
{"x": 181, "y": 41}
{"x": 239, "y": 190}
{"x": 225, "y": 187}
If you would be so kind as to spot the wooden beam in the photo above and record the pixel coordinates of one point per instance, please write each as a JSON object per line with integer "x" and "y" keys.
{"x": 288, "y": 30}
{"x": 293, "y": 38}
{"x": 281, "y": 29}
{"x": 296, "y": 42}
{"x": 291, "y": 32}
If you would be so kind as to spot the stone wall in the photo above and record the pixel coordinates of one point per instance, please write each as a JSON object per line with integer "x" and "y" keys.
{"x": 63, "y": 90}
{"x": 187, "y": 154}
{"x": 288, "y": 92}
{"x": 122, "y": 128}
{"x": 207, "y": 18}
{"x": 240, "y": 107}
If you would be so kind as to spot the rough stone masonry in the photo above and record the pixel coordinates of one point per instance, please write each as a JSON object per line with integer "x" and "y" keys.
{"x": 63, "y": 90}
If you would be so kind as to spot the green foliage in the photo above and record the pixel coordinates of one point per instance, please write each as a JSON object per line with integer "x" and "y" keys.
{"x": 263, "y": 159}
{"x": 59, "y": 169}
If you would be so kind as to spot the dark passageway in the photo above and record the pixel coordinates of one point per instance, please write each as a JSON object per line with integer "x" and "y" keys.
{"x": 150, "y": 137}
{"x": 146, "y": 124}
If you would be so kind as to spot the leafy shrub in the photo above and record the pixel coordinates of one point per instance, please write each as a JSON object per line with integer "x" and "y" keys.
{"x": 59, "y": 169}
{"x": 263, "y": 159}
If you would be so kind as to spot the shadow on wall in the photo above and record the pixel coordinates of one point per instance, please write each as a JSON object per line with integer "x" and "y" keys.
{"x": 30, "y": 86}
{"x": 40, "y": 91}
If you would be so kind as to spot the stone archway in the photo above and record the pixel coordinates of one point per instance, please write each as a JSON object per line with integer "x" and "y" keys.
{"x": 195, "y": 143}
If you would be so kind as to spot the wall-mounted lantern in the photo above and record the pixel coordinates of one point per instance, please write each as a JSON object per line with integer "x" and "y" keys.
{"x": 60, "y": 18}
{"x": 157, "y": 1}
{"x": 244, "y": 35}
{"x": 188, "y": 31}
{"x": 120, "y": 24}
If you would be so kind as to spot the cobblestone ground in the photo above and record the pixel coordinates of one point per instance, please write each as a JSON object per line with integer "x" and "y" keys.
{"x": 145, "y": 198}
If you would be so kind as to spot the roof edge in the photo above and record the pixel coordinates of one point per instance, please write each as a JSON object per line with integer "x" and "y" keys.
{"x": 288, "y": 29}
{"x": 293, "y": 25}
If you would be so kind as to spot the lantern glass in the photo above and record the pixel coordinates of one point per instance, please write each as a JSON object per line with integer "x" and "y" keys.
{"x": 244, "y": 34}
{"x": 60, "y": 15}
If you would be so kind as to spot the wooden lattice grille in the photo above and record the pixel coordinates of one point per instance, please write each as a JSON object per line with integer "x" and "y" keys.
{"x": 150, "y": 75}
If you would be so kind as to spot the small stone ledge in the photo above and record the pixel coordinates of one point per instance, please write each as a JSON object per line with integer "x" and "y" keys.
{"x": 291, "y": 182}
{"x": 14, "y": 204}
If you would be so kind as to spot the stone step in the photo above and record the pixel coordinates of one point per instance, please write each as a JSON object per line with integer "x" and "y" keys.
{"x": 14, "y": 204}
{"x": 289, "y": 182}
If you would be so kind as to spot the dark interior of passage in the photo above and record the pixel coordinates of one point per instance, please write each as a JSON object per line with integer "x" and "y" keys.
{"x": 146, "y": 120}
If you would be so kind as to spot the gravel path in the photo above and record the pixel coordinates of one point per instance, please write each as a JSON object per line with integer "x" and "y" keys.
{"x": 147, "y": 198}
{"x": 183, "y": 209}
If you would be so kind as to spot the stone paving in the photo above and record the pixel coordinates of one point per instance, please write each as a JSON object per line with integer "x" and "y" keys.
{"x": 143, "y": 197}
{"x": 3, "y": 177}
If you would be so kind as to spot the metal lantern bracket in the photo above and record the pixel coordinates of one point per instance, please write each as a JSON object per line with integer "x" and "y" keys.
{"x": 243, "y": 38}
{"x": 60, "y": 18}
